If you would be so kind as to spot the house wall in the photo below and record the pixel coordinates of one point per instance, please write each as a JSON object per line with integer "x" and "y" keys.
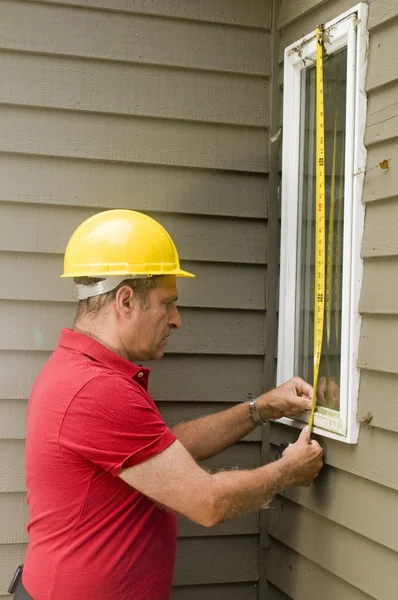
{"x": 339, "y": 538}
{"x": 163, "y": 107}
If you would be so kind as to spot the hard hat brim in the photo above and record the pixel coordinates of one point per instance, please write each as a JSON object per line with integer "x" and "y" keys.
{"x": 181, "y": 273}
{"x": 127, "y": 275}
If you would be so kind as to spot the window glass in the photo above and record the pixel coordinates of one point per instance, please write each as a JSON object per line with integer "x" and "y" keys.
{"x": 335, "y": 115}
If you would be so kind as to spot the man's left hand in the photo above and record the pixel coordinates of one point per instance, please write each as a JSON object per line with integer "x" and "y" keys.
{"x": 287, "y": 400}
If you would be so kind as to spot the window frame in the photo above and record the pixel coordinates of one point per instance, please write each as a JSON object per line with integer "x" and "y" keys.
{"x": 347, "y": 30}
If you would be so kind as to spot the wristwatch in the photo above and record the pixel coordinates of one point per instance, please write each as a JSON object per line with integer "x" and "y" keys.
{"x": 255, "y": 415}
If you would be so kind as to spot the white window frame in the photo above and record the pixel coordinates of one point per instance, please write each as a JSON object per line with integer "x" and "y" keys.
{"x": 347, "y": 30}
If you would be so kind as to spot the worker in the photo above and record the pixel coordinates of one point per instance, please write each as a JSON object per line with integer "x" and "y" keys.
{"x": 105, "y": 475}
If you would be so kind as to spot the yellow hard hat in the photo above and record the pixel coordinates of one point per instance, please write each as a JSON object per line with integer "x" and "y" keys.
{"x": 121, "y": 243}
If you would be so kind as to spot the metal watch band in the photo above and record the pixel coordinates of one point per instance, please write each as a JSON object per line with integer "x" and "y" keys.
{"x": 255, "y": 415}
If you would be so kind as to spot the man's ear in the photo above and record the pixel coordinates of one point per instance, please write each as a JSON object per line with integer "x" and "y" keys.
{"x": 125, "y": 299}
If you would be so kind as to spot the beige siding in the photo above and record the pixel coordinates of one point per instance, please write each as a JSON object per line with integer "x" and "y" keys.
{"x": 231, "y": 12}
{"x": 105, "y": 184}
{"x": 232, "y": 591}
{"x": 66, "y": 83}
{"x": 115, "y": 138}
{"x": 161, "y": 107}
{"x": 338, "y": 539}
{"x": 132, "y": 38}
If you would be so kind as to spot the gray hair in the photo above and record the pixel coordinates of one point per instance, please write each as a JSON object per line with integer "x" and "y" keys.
{"x": 96, "y": 304}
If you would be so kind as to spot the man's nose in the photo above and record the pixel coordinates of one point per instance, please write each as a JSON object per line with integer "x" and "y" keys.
{"x": 175, "y": 320}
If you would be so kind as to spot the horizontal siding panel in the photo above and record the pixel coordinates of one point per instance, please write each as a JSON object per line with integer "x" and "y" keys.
{"x": 381, "y": 11}
{"x": 305, "y": 532}
{"x": 234, "y": 591}
{"x": 335, "y": 495}
{"x": 14, "y": 515}
{"x": 182, "y": 412}
{"x": 380, "y": 232}
{"x": 13, "y": 415}
{"x": 12, "y": 462}
{"x": 36, "y": 326}
{"x": 21, "y": 368}
{"x": 303, "y": 579}
{"x": 74, "y": 182}
{"x": 382, "y": 44}
{"x": 12, "y": 419}
{"x": 379, "y": 293}
{"x": 132, "y": 38}
{"x": 117, "y": 138}
{"x": 378, "y": 345}
{"x": 11, "y": 555}
{"x": 378, "y": 395}
{"x": 290, "y": 12}
{"x": 240, "y": 455}
{"x": 37, "y": 277}
{"x": 373, "y": 458}
{"x": 174, "y": 378}
{"x": 12, "y": 467}
{"x": 248, "y": 13}
{"x": 139, "y": 90}
{"x": 380, "y": 183}
{"x": 216, "y": 560}
{"x": 382, "y": 115}
{"x": 247, "y": 525}
{"x": 47, "y": 229}
{"x": 326, "y": 11}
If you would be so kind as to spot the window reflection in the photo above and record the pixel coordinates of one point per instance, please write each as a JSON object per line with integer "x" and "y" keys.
{"x": 335, "y": 114}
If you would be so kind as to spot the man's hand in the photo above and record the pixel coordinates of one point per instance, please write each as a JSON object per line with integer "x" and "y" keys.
{"x": 287, "y": 400}
{"x": 328, "y": 393}
{"x": 305, "y": 458}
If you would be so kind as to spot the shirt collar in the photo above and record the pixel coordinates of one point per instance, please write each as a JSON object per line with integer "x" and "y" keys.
{"x": 84, "y": 343}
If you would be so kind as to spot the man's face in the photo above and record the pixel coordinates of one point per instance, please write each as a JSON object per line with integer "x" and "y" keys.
{"x": 151, "y": 324}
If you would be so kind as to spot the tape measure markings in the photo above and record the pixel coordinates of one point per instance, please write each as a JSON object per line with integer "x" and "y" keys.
{"x": 319, "y": 305}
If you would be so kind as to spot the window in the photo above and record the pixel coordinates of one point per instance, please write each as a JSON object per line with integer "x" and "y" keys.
{"x": 345, "y": 156}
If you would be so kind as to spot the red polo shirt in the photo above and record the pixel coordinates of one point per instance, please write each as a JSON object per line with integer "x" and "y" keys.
{"x": 92, "y": 536}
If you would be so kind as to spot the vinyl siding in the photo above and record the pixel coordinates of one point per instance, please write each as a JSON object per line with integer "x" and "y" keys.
{"x": 338, "y": 539}
{"x": 161, "y": 107}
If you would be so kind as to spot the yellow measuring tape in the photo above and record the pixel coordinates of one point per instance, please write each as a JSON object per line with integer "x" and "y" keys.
{"x": 319, "y": 307}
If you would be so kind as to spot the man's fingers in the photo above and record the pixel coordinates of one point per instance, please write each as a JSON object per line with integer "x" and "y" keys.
{"x": 316, "y": 445}
{"x": 299, "y": 404}
{"x": 305, "y": 435}
{"x": 306, "y": 403}
{"x": 303, "y": 388}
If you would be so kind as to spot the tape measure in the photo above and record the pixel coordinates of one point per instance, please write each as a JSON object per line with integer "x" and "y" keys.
{"x": 320, "y": 235}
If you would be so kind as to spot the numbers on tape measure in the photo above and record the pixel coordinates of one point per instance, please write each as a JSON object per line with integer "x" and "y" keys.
{"x": 319, "y": 216}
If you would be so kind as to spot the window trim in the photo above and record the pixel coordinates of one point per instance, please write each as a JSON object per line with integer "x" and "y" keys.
{"x": 348, "y": 30}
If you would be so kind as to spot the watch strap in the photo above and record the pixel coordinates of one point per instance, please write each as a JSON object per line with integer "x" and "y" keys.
{"x": 255, "y": 415}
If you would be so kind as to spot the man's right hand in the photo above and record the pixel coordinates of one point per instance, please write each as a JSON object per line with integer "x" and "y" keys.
{"x": 305, "y": 458}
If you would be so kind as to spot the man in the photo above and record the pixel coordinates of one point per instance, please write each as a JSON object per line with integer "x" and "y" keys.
{"x": 105, "y": 475}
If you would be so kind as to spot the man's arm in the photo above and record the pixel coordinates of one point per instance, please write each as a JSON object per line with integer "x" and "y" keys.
{"x": 173, "y": 479}
{"x": 207, "y": 436}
